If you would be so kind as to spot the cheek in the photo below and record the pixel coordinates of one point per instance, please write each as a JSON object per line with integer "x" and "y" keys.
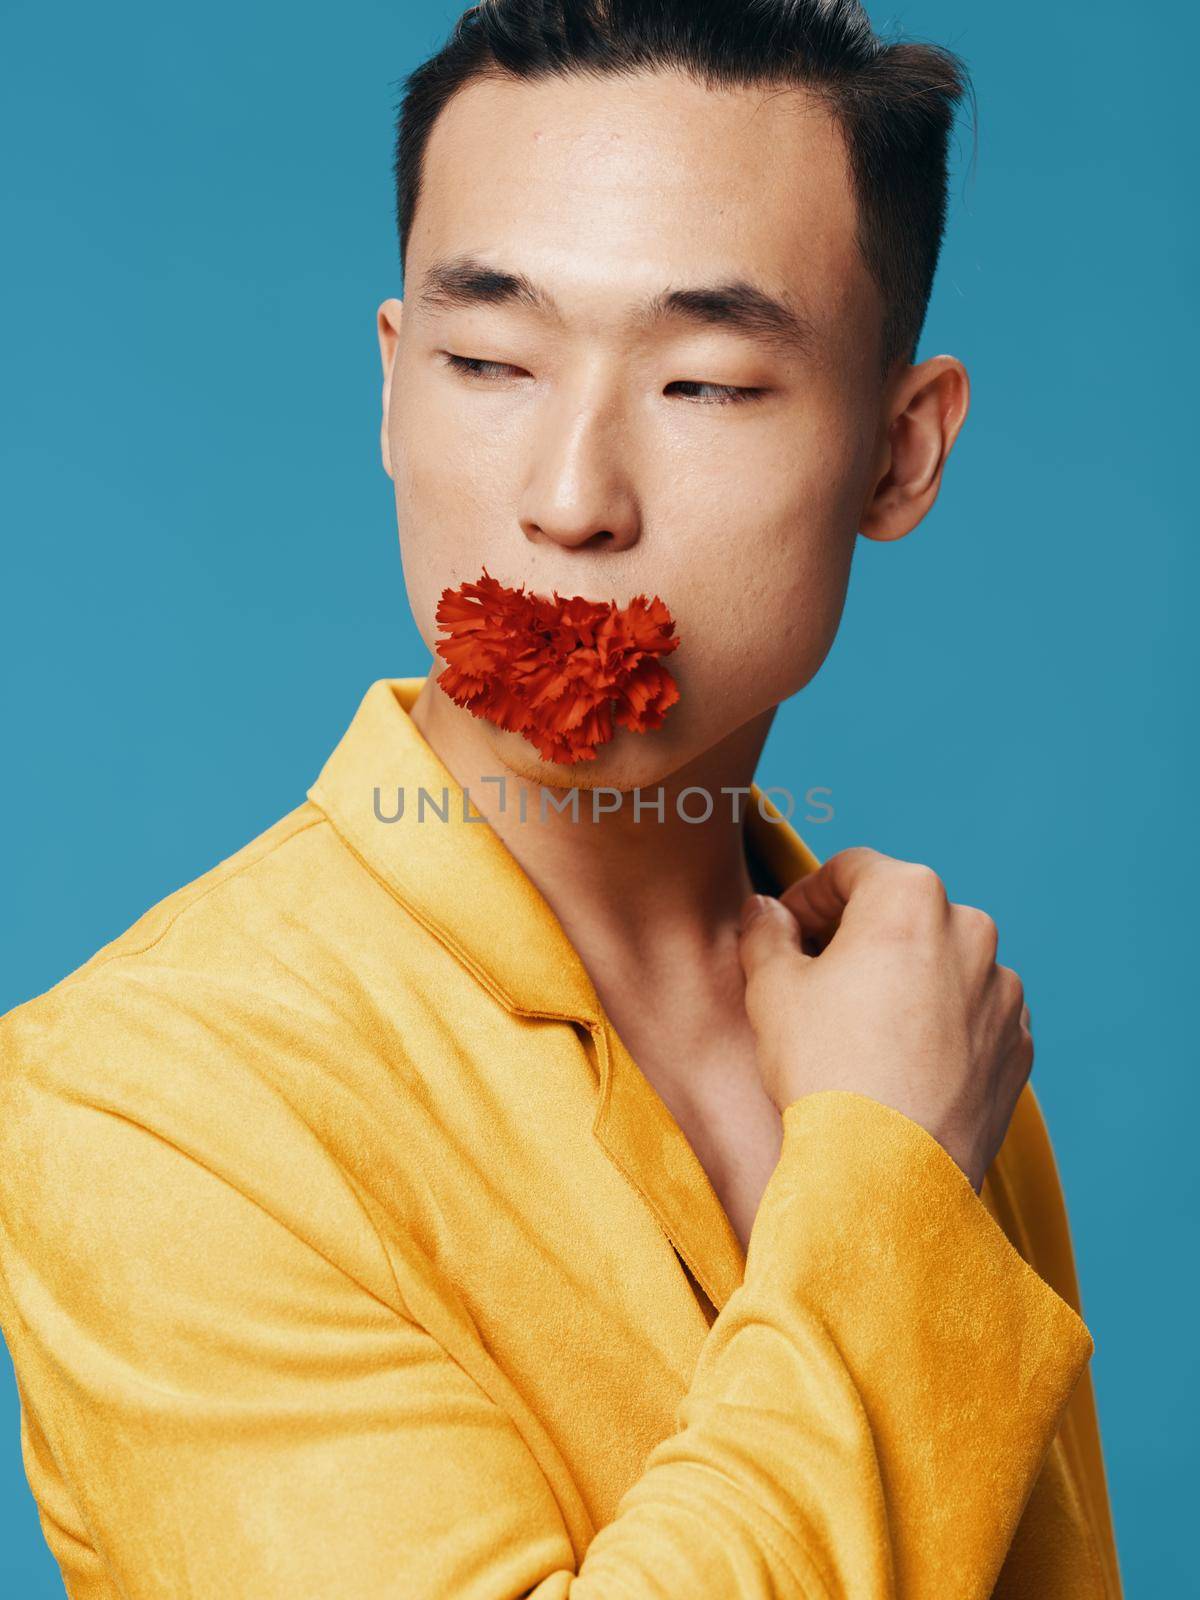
{"x": 447, "y": 486}
{"x": 767, "y": 598}
{"x": 762, "y": 632}
{"x": 444, "y": 475}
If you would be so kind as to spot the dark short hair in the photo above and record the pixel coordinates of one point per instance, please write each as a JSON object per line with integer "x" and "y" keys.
{"x": 893, "y": 101}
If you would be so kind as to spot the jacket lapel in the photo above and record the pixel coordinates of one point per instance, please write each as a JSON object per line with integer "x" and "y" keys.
{"x": 452, "y": 871}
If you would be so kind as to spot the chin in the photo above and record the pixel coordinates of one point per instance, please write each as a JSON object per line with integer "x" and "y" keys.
{"x": 627, "y": 762}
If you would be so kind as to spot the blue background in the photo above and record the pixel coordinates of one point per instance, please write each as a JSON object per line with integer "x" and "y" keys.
{"x": 202, "y": 575}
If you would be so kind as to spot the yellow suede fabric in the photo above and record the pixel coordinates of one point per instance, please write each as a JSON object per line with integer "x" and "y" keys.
{"x": 342, "y": 1254}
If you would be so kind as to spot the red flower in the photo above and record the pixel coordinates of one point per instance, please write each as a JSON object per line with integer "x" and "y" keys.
{"x": 559, "y": 672}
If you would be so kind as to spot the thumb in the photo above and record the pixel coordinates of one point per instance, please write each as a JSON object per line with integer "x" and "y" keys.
{"x": 771, "y": 955}
{"x": 774, "y": 961}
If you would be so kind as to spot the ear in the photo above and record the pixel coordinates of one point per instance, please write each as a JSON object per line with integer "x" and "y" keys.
{"x": 388, "y": 323}
{"x": 927, "y": 409}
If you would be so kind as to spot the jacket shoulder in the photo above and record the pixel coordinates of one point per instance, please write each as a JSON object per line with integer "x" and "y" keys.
{"x": 173, "y": 973}
{"x": 153, "y": 923}
{"x": 167, "y": 1039}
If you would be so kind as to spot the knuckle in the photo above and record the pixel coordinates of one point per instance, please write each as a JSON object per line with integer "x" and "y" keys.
{"x": 921, "y": 882}
{"x": 983, "y": 928}
{"x": 863, "y": 852}
{"x": 1012, "y": 987}
{"x": 915, "y": 891}
{"x": 853, "y": 855}
{"x": 858, "y": 861}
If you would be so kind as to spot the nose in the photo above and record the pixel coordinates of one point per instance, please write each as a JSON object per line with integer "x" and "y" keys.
{"x": 579, "y": 494}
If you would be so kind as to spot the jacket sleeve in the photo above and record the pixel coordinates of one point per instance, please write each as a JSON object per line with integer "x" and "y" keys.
{"x": 239, "y": 1413}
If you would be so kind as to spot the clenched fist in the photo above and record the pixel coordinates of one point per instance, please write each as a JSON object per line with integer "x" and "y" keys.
{"x": 902, "y": 1001}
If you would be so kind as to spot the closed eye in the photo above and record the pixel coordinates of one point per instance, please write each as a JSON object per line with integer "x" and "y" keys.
{"x": 723, "y": 393}
{"x": 474, "y": 368}
{"x": 726, "y": 393}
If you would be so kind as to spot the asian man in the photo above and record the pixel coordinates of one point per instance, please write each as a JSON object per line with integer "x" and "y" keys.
{"x": 449, "y": 1196}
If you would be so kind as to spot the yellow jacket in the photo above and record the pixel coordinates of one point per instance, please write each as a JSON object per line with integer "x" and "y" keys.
{"x": 345, "y": 1253}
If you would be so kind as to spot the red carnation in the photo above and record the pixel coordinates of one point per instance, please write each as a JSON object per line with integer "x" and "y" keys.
{"x": 558, "y": 672}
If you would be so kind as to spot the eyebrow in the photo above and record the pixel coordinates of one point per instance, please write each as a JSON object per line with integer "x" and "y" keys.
{"x": 737, "y": 306}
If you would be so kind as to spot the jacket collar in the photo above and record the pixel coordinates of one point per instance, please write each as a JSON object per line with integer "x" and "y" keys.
{"x": 460, "y": 880}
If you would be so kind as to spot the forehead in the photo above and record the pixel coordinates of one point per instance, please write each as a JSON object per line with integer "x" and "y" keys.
{"x": 615, "y": 185}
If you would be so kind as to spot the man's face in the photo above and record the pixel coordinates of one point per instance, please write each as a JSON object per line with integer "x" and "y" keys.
{"x": 599, "y": 453}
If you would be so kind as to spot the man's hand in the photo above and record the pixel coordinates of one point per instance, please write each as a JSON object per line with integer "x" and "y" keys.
{"x": 904, "y": 1002}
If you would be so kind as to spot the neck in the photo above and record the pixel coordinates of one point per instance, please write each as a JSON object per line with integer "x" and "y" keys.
{"x": 649, "y": 904}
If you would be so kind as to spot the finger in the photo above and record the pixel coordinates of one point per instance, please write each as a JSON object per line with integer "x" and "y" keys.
{"x": 771, "y": 957}
{"x": 767, "y": 929}
{"x": 821, "y": 898}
